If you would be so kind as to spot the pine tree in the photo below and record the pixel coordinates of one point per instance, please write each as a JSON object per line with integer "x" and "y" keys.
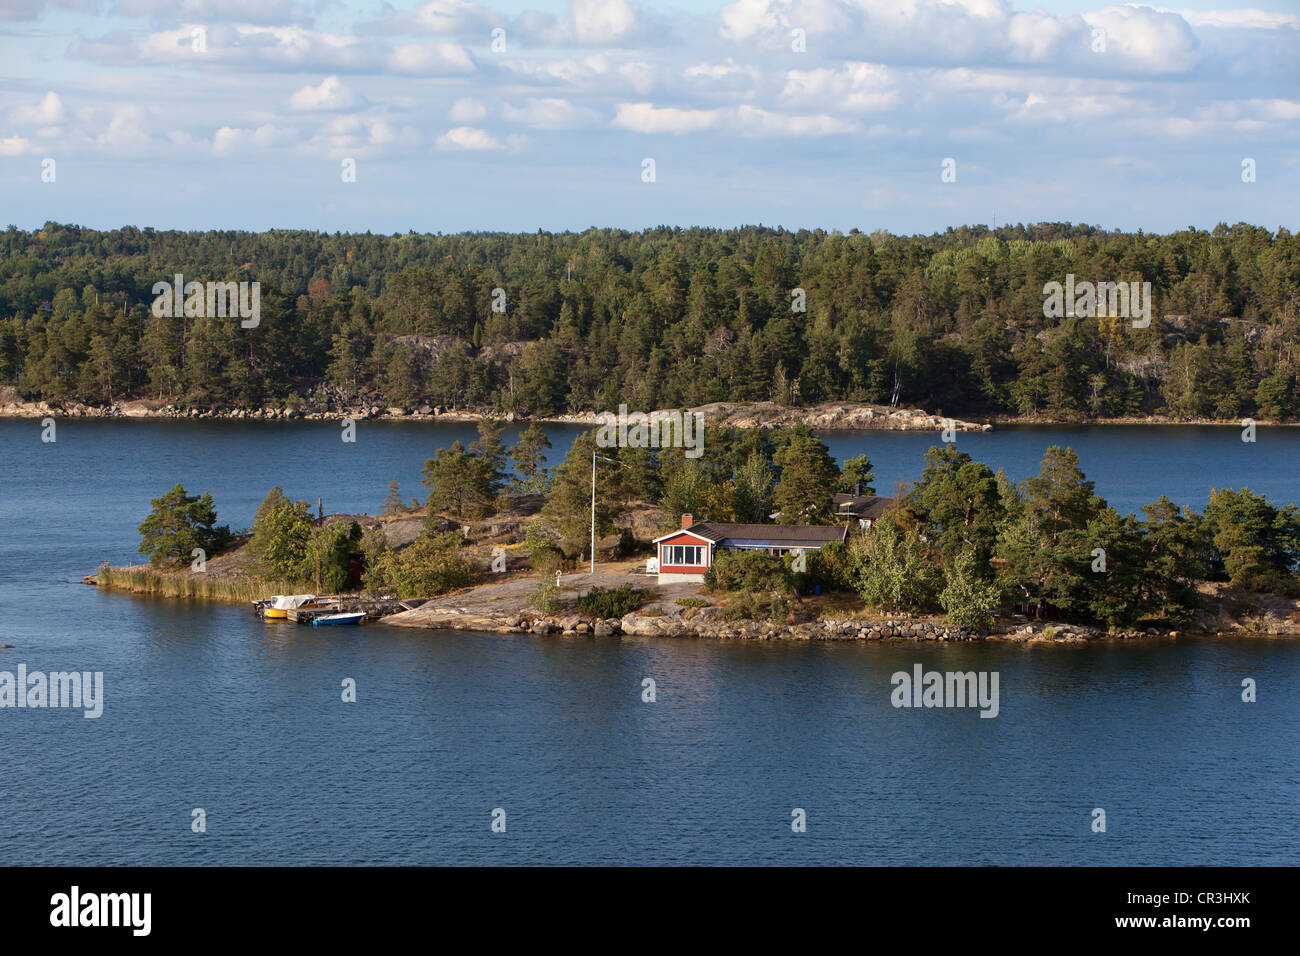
{"x": 177, "y": 524}
{"x": 753, "y": 490}
{"x": 527, "y": 454}
{"x": 393, "y": 503}
{"x": 808, "y": 477}
{"x": 957, "y": 502}
{"x": 459, "y": 483}
{"x": 488, "y": 447}
{"x": 568, "y": 506}
{"x": 856, "y": 476}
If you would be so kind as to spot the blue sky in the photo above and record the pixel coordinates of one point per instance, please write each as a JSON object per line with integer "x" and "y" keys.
{"x": 1126, "y": 116}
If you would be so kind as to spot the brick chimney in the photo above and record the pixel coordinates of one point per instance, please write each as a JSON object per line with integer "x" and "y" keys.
{"x": 687, "y": 521}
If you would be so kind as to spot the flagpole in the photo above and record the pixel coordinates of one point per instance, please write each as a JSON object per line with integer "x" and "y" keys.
{"x": 593, "y": 512}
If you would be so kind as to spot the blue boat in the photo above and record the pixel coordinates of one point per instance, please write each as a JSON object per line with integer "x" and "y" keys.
{"x": 329, "y": 619}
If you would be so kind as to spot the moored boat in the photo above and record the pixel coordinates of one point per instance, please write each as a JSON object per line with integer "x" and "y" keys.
{"x": 325, "y": 620}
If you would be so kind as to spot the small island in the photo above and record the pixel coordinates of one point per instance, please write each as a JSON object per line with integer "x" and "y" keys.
{"x": 754, "y": 534}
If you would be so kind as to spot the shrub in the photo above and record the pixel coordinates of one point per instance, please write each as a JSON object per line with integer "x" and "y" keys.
{"x": 757, "y": 606}
{"x": 692, "y": 602}
{"x": 742, "y": 570}
{"x": 430, "y": 565}
{"x": 546, "y": 597}
{"x": 281, "y": 542}
{"x": 626, "y": 546}
{"x": 331, "y": 546}
{"x": 894, "y": 570}
{"x": 969, "y": 600}
{"x": 831, "y": 567}
{"x": 373, "y": 544}
{"x": 614, "y": 602}
{"x": 544, "y": 552}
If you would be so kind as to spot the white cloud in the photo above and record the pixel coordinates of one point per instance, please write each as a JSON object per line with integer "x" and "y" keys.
{"x": 1236, "y": 19}
{"x": 648, "y": 118}
{"x": 1285, "y": 110}
{"x": 603, "y": 22}
{"x": 550, "y": 113}
{"x": 458, "y": 18}
{"x": 212, "y": 11}
{"x": 362, "y": 136}
{"x": 31, "y": 9}
{"x": 1037, "y": 37}
{"x": 430, "y": 59}
{"x": 1037, "y": 108}
{"x": 244, "y": 46}
{"x": 853, "y": 87}
{"x": 745, "y": 119}
{"x": 759, "y": 122}
{"x": 125, "y": 129}
{"x": 467, "y": 110}
{"x": 727, "y": 75}
{"x": 13, "y": 146}
{"x": 467, "y": 137}
{"x": 232, "y": 140}
{"x": 1148, "y": 41}
{"x": 46, "y": 113}
{"x": 331, "y": 94}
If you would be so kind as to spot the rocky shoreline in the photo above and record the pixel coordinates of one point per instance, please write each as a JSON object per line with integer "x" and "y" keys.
{"x": 637, "y": 624}
{"x": 826, "y": 417}
{"x": 831, "y": 416}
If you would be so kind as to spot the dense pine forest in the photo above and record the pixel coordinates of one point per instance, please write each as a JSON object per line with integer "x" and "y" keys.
{"x": 669, "y": 317}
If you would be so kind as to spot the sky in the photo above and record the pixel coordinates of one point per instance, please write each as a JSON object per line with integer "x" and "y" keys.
{"x": 454, "y": 115}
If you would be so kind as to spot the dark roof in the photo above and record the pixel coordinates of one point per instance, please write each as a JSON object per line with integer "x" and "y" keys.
{"x": 861, "y": 506}
{"x": 775, "y": 535}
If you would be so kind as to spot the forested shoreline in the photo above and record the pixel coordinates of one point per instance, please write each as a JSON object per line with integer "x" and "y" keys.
{"x": 547, "y": 324}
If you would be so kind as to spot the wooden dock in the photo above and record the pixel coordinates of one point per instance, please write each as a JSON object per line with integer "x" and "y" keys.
{"x": 373, "y": 608}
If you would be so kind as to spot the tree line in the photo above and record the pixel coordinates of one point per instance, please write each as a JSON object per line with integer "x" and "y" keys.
{"x": 546, "y": 323}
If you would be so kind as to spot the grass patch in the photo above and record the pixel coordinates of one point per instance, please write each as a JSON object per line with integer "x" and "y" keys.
{"x": 151, "y": 581}
{"x": 757, "y": 606}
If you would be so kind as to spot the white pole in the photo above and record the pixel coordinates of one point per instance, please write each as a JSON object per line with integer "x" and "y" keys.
{"x": 593, "y": 512}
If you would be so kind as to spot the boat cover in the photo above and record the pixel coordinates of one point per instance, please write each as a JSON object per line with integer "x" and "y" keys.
{"x": 291, "y": 602}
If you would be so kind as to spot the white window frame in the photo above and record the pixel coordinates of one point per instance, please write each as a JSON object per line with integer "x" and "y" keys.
{"x": 682, "y": 550}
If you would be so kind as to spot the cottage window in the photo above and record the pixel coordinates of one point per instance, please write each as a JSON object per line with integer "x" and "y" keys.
{"x": 685, "y": 554}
